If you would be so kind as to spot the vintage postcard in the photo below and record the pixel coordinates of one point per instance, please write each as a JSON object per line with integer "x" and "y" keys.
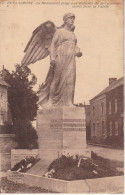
{"x": 61, "y": 96}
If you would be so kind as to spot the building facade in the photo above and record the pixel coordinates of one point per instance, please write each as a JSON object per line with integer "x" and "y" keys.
{"x": 107, "y": 113}
{"x": 3, "y": 102}
{"x": 115, "y": 111}
{"x": 98, "y": 116}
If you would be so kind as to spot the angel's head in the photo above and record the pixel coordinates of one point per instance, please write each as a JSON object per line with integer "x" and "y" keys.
{"x": 68, "y": 19}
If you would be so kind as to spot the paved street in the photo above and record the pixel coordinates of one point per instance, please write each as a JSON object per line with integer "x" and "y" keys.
{"x": 112, "y": 154}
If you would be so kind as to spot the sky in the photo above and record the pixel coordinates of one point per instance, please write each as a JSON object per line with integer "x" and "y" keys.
{"x": 99, "y": 32}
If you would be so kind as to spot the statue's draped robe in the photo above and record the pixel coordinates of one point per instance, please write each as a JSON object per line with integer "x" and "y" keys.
{"x": 58, "y": 89}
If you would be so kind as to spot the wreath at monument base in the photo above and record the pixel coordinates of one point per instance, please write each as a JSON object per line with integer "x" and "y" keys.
{"x": 75, "y": 167}
{"x": 25, "y": 164}
{"x": 79, "y": 168}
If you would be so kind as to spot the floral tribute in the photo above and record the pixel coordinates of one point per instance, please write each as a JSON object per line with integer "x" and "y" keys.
{"x": 77, "y": 167}
{"x": 25, "y": 164}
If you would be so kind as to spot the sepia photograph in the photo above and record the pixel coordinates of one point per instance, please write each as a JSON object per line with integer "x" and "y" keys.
{"x": 61, "y": 96}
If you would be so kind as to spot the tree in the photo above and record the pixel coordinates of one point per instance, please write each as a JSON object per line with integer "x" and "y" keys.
{"x": 22, "y": 102}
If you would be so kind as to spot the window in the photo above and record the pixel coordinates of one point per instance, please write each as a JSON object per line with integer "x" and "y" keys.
{"x": 93, "y": 110}
{"x": 2, "y": 94}
{"x": 116, "y": 105}
{"x": 103, "y": 127}
{"x": 98, "y": 133}
{"x": 2, "y": 119}
{"x": 109, "y": 107}
{"x": 94, "y": 129}
{"x": 116, "y": 128}
{"x": 110, "y": 129}
{"x": 121, "y": 123}
{"x": 102, "y": 107}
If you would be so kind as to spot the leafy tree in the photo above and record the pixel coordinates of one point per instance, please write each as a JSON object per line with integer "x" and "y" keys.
{"x": 26, "y": 135}
{"x": 23, "y": 103}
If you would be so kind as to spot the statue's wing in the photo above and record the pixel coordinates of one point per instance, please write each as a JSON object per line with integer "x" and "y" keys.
{"x": 37, "y": 47}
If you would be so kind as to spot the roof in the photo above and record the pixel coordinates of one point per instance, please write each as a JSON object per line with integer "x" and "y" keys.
{"x": 112, "y": 86}
{"x": 2, "y": 82}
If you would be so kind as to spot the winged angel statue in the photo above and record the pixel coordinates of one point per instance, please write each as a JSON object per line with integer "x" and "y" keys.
{"x": 61, "y": 44}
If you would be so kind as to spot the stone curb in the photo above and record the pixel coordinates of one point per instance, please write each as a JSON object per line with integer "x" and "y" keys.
{"x": 100, "y": 185}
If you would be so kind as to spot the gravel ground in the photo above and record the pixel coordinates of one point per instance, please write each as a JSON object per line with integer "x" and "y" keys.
{"x": 11, "y": 187}
{"x": 109, "y": 153}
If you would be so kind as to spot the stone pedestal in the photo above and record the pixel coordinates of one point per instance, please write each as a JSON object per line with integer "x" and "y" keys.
{"x": 61, "y": 129}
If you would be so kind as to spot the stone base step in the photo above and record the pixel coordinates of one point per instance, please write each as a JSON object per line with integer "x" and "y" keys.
{"x": 40, "y": 168}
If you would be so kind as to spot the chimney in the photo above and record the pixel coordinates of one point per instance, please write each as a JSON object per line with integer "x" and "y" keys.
{"x": 112, "y": 80}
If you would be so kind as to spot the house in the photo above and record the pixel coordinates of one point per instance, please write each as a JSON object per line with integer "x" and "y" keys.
{"x": 107, "y": 113}
{"x": 3, "y": 102}
{"x": 6, "y": 131}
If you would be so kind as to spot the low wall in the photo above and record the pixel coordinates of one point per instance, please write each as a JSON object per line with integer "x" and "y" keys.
{"x": 18, "y": 154}
{"x": 101, "y": 185}
{"x": 6, "y": 144}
